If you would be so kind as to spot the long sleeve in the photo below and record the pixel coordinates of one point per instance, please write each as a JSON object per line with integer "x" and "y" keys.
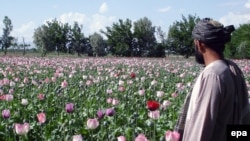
{"x": 204, "y": 107}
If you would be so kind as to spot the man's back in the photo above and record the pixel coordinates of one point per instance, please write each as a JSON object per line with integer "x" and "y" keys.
{"x": 211, "y": 106}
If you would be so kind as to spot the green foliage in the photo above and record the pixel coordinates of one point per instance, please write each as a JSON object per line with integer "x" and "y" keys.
{"x": 179, "y": 36}
{"x": 141, "y": 42}
{"x": 77, "y": 41}
{"x": 239, "y": 47}
{"x": 6, "y": 39}
{"x": 120, "y": 38}
{"x": 55, "y": 36}
{"x": 98, "y": 44}
{"x": 144, "y": 32}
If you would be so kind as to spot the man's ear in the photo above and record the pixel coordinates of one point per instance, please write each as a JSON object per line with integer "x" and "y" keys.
{"x": 201, "y": 46}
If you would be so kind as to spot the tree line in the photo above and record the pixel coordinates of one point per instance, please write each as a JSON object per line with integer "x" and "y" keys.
{"x": 123, "y": 38}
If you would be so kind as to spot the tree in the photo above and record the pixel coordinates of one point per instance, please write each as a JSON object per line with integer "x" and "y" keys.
{"x": 77, "y": 40}
{"x": 15, "y": 44}
{"x": 6, "y": 39}
{"x": 59, "y": 34}
{"x": 24, "y": 45}
{"x": 161, "y": 35}
{"x": 180, "y": 36}
{"x": 41, "y": 39}
{"x": 120, "y": 38}
{"x": 98, "y": 44}
{"x": 144, "y": 32}
{"x": 239, "y": 46}
{"x": 160, "y": 48}
{"x": 52, "y": 36}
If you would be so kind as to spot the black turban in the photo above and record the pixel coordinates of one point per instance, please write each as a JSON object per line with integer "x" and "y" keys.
{"x": 210, "y": 31}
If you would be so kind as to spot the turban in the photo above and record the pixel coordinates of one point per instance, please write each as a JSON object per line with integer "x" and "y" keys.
{"x": 210, "y": 31}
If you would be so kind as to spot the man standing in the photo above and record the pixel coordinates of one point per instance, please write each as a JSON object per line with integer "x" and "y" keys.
{"x": 219, "y": 96}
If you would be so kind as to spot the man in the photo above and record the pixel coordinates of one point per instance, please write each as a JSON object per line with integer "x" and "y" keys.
{"x": 219, "y": 96}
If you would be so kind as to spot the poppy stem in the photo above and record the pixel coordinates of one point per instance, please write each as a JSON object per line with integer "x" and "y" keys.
{"x": 155, "y": 130}
{"x": 91, "y": 135}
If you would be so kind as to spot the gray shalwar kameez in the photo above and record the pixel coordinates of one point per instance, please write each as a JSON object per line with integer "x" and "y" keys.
{"x": 211, "y": 106}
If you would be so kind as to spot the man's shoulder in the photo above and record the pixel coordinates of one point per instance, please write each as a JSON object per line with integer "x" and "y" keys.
{"x": 217, "y": 67}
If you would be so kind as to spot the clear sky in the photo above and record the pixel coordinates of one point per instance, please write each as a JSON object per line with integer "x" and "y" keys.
{"x": 26, "y": 15}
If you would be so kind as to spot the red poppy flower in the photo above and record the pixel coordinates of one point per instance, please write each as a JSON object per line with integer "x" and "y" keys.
{"x": 132, "y": 75}
{"x": 152, "y": 105}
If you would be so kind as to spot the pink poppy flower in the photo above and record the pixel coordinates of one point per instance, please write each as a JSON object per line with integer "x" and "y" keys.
{"x": 141, "y": 137}
{"x": 22, "y": 129}
{"x": 92, "y": 123}
{"x": 121, "y": 138}
{"x": 100, "y": 114}
{"x": 109, "y": 100}
{"x": 172, "y": 136}
{"x": 40, "y": 96}
{"x": 165, "y": 104}
{"x": 89, "y": 82}
{"x": 9, "y": 97}
{"x": 41, "y": 117}
{"x": 64, "y": 84}
{"x": 115, "y": 101}
{"x": 110, "y": 111}
{"x": 77, "y": 138}
{"x": 69, "y": 108}
{"x": 174, "y": 95}
{"x": 121, "y": 89}
{"x": 25, "y": 80}
{"x": 141, "y": 92}
{"x": 154, "y": 114}
{"x": 159, "y": 93}
{"x": 47, "y": 80}
{"x": 2, "y": 97}
{"x": 109, "y": 91}
{"x": 6, "y": 81}
{"x": 6, "y": 114}
{"x": 11, "y": 91}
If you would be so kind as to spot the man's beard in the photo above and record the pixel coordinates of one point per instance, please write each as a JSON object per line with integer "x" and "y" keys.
{"x": 198, "y": 57}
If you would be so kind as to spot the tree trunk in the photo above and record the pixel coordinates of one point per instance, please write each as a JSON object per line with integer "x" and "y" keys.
{"x": 24, "y": 51}
{"x": 5, "y": 51}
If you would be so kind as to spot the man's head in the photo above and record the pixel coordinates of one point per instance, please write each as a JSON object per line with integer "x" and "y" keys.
{"x": 211, "y": 34}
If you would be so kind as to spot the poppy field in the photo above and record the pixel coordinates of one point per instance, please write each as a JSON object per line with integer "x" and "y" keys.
{"x": 93, "y": 99}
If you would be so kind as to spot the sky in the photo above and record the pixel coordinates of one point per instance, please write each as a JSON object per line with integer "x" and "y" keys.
{"x": 93, "y": 15}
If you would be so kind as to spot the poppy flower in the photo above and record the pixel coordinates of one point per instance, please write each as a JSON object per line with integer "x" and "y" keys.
{"x": 69, "y": 107}
{"x": 172, "y": 136}
{"x": 92, "y": 123}
{"x": 152, "y": 105}
{"x": 22, "y": 129}
{"x": 6, "y": 114}
{"x": 132, "y": 75}
{"x": 110, "y": 112}
{"x": 41, "y": 117}
{"x": 2, "y": 97}
{"x": 64, "y": 84}
{"x": 77, "y": 138}
{"x": 40, "y": 96}
{"x": 9, "y": 97}
{"x": 154, "y": 114}
{"x": 121, "y": 138}
{"x": 24, "y": 102}
{"x": 141, "y": 137}
{"x": 100, "y": 114}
